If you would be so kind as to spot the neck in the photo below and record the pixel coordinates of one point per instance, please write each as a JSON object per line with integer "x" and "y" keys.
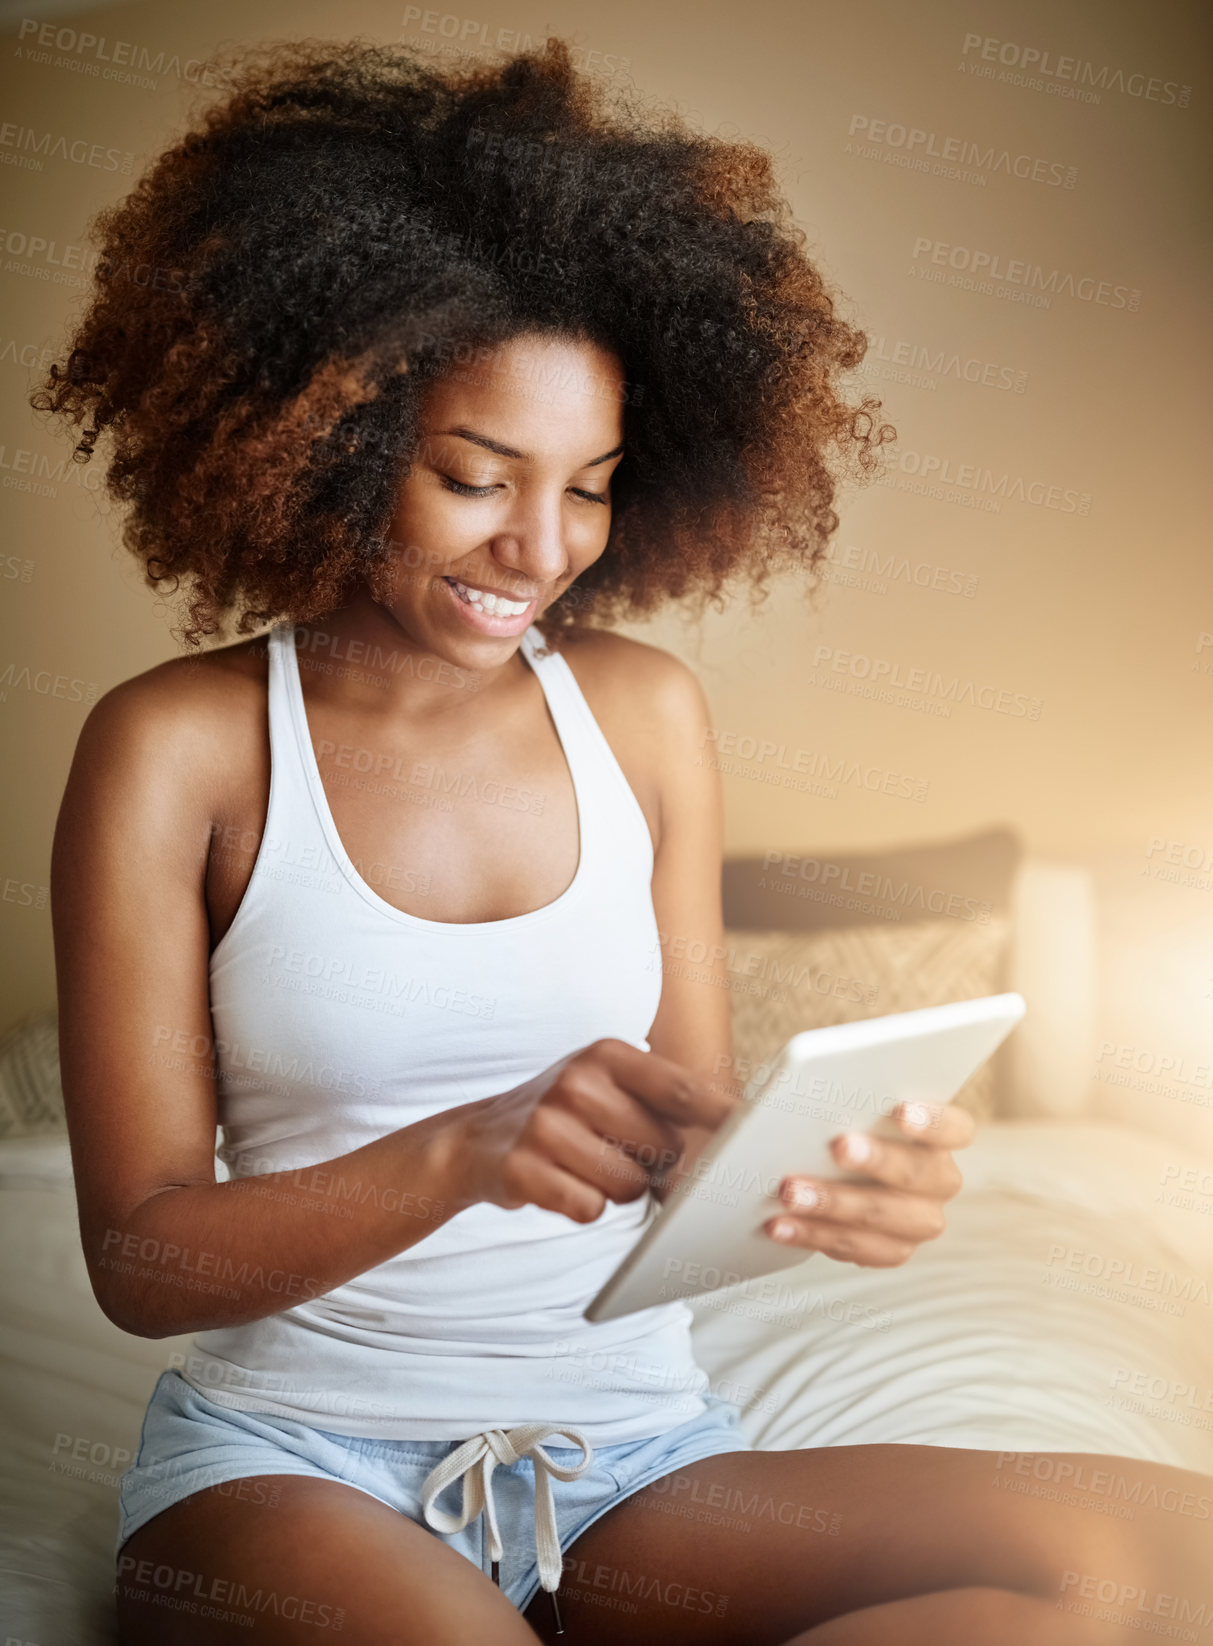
{"x": 361, "y": 656}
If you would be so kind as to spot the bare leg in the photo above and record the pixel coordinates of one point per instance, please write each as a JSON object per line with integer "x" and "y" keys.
{"x": 760, "y": 1548}
{"x": 958, "y": 1617}
{"x": 327, "y": 1562}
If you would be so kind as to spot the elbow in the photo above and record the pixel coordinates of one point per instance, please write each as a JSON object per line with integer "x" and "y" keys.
{"x": 129, "y": 1314}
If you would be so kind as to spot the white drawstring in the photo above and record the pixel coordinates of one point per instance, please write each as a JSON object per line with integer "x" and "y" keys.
{"x": 476, "y": 1459}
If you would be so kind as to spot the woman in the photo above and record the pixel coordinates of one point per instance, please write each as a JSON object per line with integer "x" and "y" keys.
{"x": 431, "y": 372}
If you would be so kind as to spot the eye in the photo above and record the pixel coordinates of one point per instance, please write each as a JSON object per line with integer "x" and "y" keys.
{"x": 463, "y": 490}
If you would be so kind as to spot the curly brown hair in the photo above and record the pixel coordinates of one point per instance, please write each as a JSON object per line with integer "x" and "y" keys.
{"x": 347, "y": 223}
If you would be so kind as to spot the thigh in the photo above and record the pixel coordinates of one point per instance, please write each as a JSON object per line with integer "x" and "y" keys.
{"x": 326, "y": 1559}
{"x": 752, "y": 1547}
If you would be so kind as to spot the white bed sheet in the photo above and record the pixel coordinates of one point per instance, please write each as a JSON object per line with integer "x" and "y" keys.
{"x": 1065, "y": 1309}
{"x": 967, "y": 1345}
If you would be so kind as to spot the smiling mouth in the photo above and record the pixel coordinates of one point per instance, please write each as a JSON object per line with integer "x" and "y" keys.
{"x": 485, "y": 600}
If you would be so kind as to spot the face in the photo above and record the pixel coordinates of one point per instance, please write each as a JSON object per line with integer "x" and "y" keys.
{"x": 508, "y": 498}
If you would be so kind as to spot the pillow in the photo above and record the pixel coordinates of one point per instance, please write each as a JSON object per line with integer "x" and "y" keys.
{"x": 908, "y": 926}
{"x": 1054, "y": 964}
{"x": 783, "y": 982}
{"x": 967, "y": 879}
{"x": 31, "y": 1097}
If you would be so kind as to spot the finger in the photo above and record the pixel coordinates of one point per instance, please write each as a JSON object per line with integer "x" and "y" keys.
{"x": 887, "y": 1211}
{"x": 591, "y": 1092}
{"x": 565, "y": 1140}
{"x": 938, "y": 1125}
{"x": 900, "y": 1165}
{"x": 531, "y": 1179}
{"x": 672, "y": 1091}
{"x": 841, "y": 1242}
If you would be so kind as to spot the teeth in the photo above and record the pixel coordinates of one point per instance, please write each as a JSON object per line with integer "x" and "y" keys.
{"x": 494, "y": 604}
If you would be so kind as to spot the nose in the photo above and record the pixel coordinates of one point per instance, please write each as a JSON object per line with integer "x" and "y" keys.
{"x": 532, "y": 544}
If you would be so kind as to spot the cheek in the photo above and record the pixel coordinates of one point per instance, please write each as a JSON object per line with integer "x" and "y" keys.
{"x": 427, "y": 537}
{"x": 588, "y": 544}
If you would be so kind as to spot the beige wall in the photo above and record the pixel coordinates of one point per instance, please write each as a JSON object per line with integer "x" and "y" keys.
{"x": 1064, "y": 564}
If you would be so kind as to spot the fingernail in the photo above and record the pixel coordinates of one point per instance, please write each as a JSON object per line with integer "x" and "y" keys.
{"x": 802, "y": 1194}
{"x": 857, "y": 1147}
{"x": 783, "y": 1231}
{"x": 915, "y": 1114}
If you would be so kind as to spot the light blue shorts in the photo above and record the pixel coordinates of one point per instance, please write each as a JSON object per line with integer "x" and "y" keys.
{"x": 189, "y": 1443}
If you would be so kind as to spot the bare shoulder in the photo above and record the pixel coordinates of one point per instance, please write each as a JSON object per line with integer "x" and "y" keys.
{"x": 179, "y": 724}
{"x": 654, "y": 712}
{"x": 642, "y": 680}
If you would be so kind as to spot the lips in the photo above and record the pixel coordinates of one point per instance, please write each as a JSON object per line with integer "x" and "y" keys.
{"x": 492, "y": 600}
{"x": 485, "y": 622}
{"x": 502, "y": 594}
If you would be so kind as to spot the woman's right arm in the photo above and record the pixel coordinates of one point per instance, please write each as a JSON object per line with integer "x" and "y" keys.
{"x": 168, "y": 1248}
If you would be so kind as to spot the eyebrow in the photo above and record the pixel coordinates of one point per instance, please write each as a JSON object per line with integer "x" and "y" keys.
{"x": 508, "y": 451}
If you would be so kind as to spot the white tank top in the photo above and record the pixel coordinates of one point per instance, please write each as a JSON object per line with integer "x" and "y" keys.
{"x": 338, "y": 1018}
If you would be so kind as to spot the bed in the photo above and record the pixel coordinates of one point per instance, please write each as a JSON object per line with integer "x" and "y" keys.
{"x": 1067, "y": 1307}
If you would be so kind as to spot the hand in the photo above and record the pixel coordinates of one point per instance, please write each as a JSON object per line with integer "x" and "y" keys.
{"x": 602, "y": 1124}
{"x": 878, "y": 1223}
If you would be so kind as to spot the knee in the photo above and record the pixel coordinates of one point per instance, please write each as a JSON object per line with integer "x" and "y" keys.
{"x": 993, "y": 1616}
{"x": 1128, "y": 1560}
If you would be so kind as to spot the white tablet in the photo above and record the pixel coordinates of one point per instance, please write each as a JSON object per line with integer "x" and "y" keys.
{"x": 848, "y": 1077}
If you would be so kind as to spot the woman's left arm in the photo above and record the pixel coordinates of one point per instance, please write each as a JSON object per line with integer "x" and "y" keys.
{"x": 908, "y": 1179}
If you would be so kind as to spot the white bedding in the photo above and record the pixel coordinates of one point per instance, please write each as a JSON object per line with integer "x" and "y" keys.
{"x": 1041, "y": 1321}
{"x": 968, "y": 1345}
